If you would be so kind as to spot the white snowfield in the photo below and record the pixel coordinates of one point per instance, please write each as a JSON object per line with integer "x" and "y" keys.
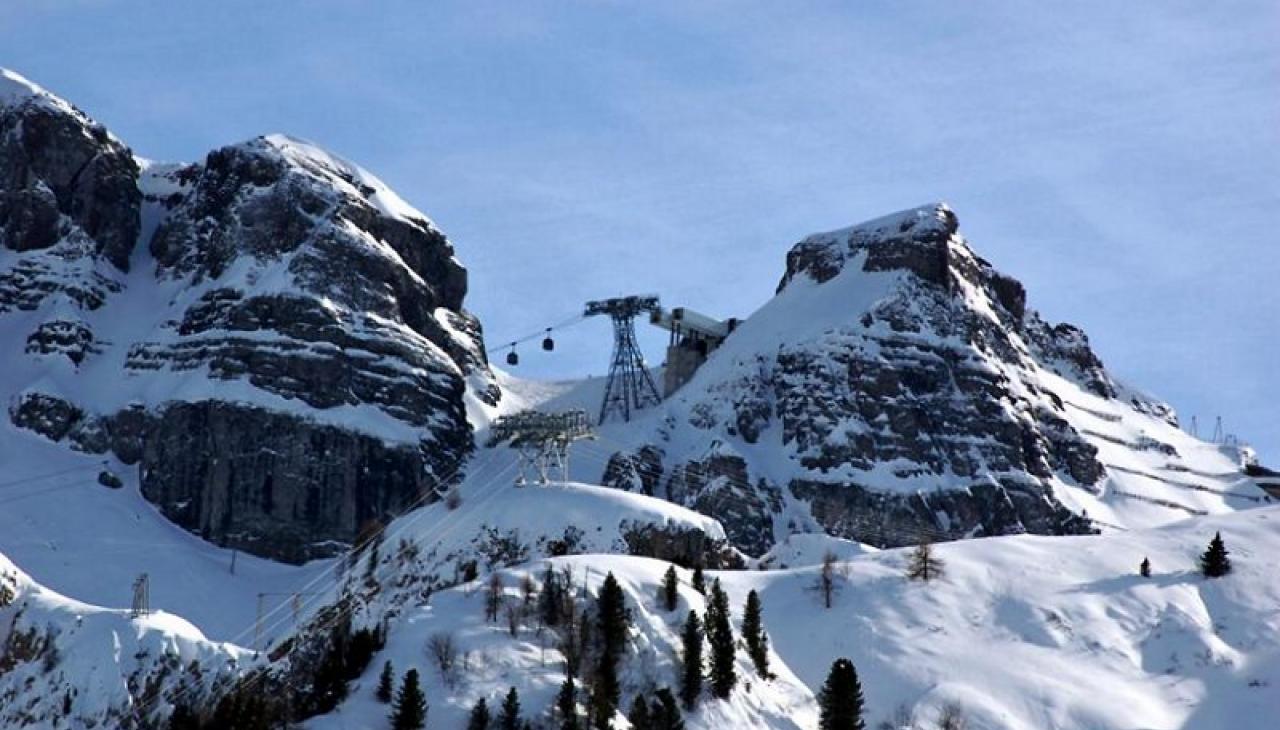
{"x": 92, "y": 667}
{"x": 1022, "y": 633}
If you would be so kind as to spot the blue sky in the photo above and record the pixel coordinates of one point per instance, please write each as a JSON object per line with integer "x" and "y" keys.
{"x": 1121, "y": 159}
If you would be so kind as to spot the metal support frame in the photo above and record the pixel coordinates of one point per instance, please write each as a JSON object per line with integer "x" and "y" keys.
{"x": 629, "y": 386}
{"x": 141, "y": 597}
{"x": 541, "y": 441}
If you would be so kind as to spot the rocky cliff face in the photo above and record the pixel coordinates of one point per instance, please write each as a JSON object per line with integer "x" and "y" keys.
{"x": 272, "y": 335}
{"x": 897, "y": 388}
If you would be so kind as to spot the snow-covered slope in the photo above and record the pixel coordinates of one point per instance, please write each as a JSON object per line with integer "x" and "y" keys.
{"x": 1022, "y": 633}
{"x": 67, "y": 664}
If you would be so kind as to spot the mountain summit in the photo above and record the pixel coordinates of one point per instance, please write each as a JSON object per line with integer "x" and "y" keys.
{"x": 898, "y": 385}
{"x": 272, "y": 336}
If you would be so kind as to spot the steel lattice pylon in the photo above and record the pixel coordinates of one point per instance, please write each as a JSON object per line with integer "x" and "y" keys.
{"x": 629, "y": 386}
{"x": 542, "y": 440}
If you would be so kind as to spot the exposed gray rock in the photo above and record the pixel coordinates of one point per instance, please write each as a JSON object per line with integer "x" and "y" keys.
{"x": 933, "y": 384}
{"x": 289, "y": 271}
{"x": 47, "y": 415}
{"x": 273, "y": 484}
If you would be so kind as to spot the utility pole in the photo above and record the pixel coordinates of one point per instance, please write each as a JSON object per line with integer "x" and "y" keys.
{"x": 141, "y": 597}
{"x": 629, "y": 386}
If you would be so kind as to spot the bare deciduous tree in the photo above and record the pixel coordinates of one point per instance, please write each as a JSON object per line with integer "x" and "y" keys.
{"x": 515, "y": 615}
{"x": 923, "y": 564}
{"x": 827, "y": 581}
{"x": 443, "y": 650}
{"x": 951, "y": 717}
{"x": 493, "y": 597}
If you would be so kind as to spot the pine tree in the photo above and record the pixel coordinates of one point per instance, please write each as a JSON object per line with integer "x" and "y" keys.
{"x": 840, "y": 702}
{"x": 385, "y": 681}
{"x": 567, "y": 704}
{"x": 691, "y": 678}
{"x": 509, "y": 719}
{"x": 410, "y": 711}
{"x": 664, "y": 714}
{"x": 753, "y": 633}
{"x": 1144, "y": 568}
{"x": 670, "y": 589}
{"x": 605, "y": 694}
{"x": 611, "y": 615}
{"x": 720, "y": 638}
{"x": 551, "y": 599}
{"x": 479, "y": 719}
{"x": 1214, "y": 563}
{"x": 924, "y": 565}
{"x": 639, "y": 714}
{"x": 699, "y": 582}
{"x": 183, "y": 718}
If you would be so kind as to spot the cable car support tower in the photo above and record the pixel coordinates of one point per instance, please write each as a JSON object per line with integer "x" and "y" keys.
{"x": 629, "y": 386}
{"x": 542, "y": 441}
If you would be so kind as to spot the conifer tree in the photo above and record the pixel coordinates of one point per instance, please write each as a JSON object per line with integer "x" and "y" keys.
{"x": 551, "y": 598}
{"x": 720, "y": 638}
{"x": 924, "y": 564}
{"x": 605, "y": 694}
{"x": 509, "y": 719}
{"x": 479, "y": 719}
{"x": 611, "y": 615}
{"x": 699, "y": 582}
{"x": 840, "y": 703}
{"x": 638, "y": 716}
{"x": 753, "y": 633}
{"x": 1214, "y": 563}
{"x": 410, "y": 710}
{"x": 664, "y": 714}
{"x": 183, "y": 718}
{"x": 385, "y": 681}
{"x": 567, "y": 704}
{"x": 670, "y": 589}
{"x": 1144, "y": 568}
{"x": 691, "y": 677}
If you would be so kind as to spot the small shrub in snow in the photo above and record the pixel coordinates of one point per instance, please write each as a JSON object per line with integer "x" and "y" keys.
{"x": 1144, "y": 568}
{"x": 443, "y": 650}
{"x": 453, "y": 499}
{"x": 952, "y": 717}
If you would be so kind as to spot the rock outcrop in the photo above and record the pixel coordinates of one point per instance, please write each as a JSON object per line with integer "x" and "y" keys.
{"x": 897, "y": 375}
{"x": 291, "y": 358}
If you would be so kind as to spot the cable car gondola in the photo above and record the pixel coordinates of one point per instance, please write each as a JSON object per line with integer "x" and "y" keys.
{"x": 512, "y": 357}
{"x": 548, "y": 344}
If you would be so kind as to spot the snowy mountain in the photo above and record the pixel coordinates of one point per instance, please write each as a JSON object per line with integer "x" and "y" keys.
{"x": 898, "y": 384}
{"x": 253, "y": 379}
{"x": 272, "y": 336}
